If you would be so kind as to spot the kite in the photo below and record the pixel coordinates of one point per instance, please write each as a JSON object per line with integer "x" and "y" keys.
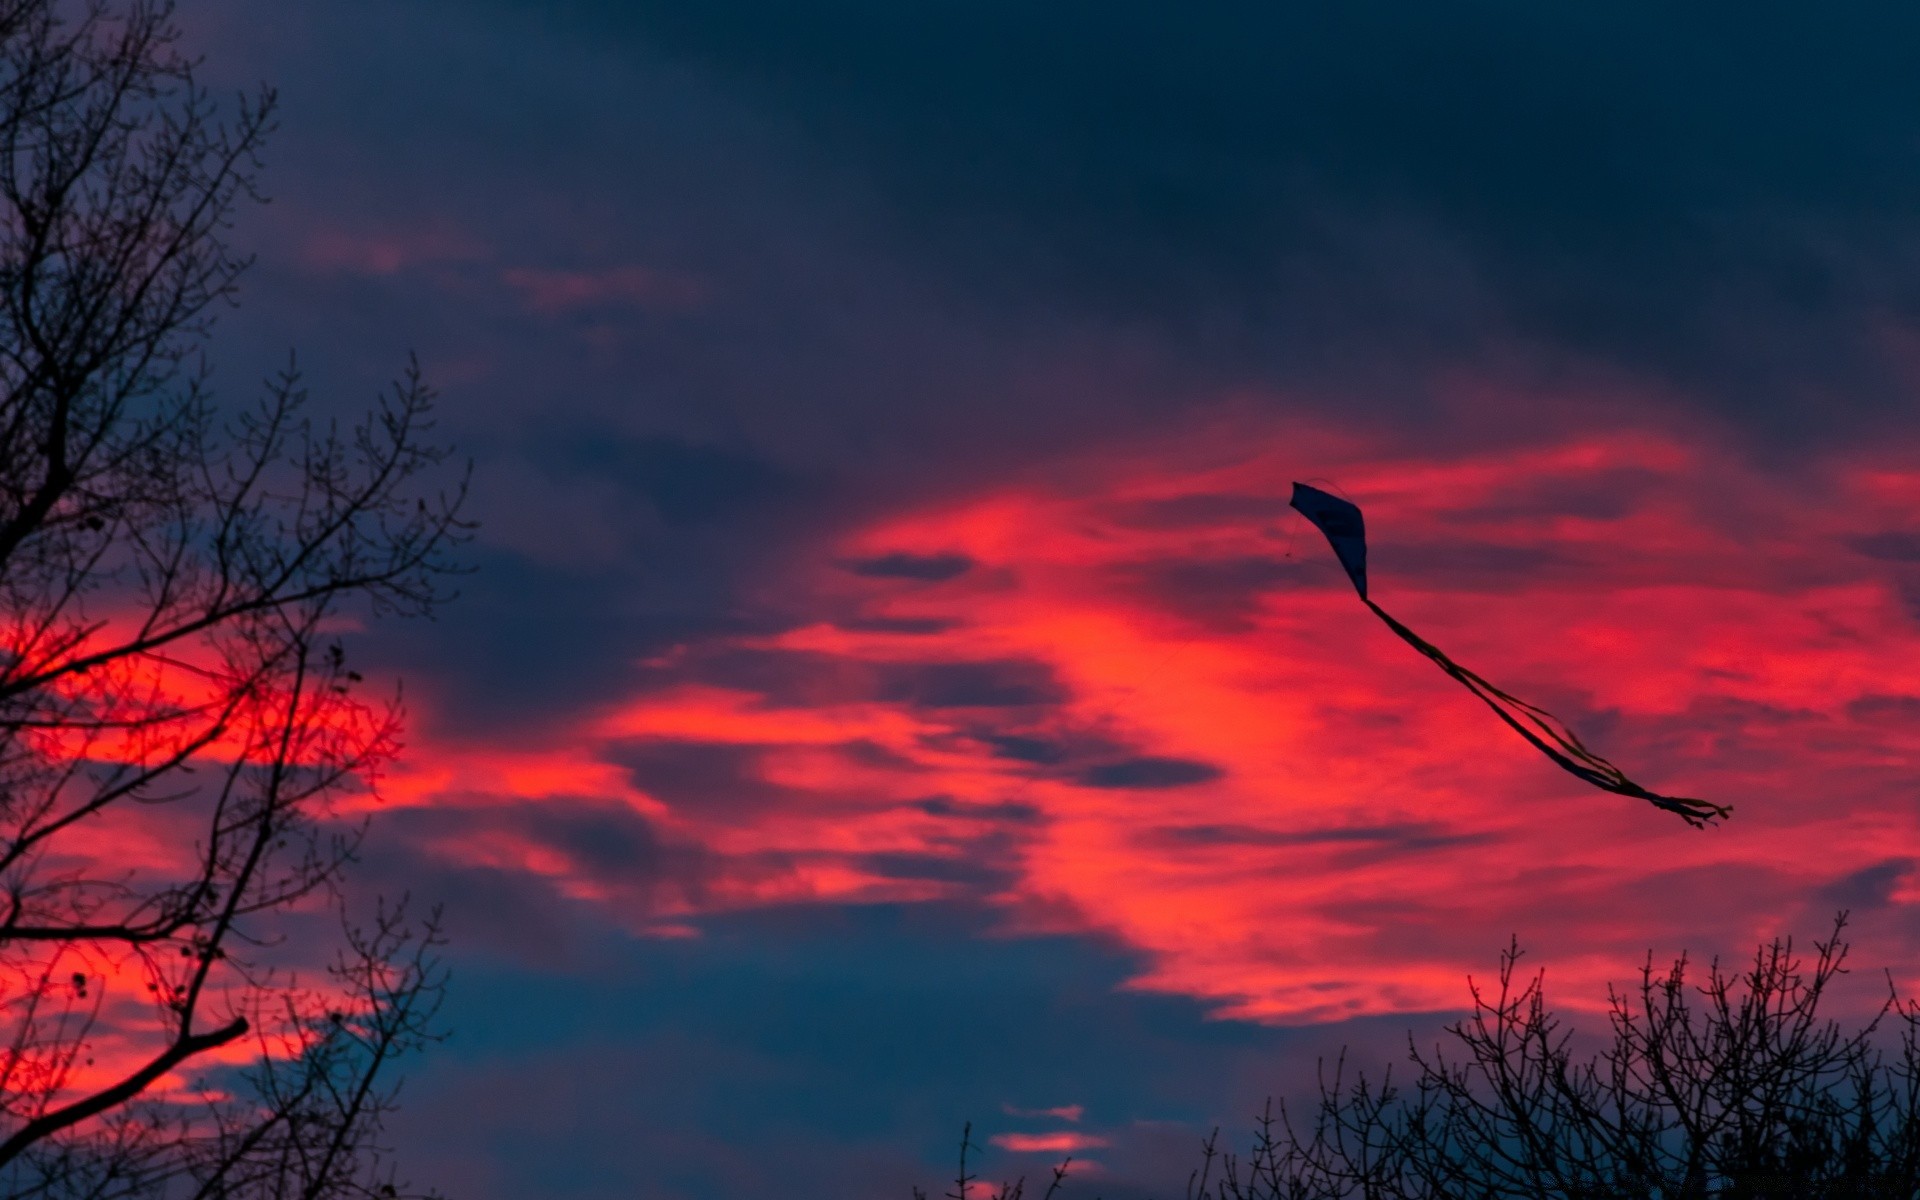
{"x": 1346, "y": 532}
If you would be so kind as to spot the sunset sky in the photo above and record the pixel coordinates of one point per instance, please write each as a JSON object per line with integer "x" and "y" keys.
{"x": 893, "y": 691}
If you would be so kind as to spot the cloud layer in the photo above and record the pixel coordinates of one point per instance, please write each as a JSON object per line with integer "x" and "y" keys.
{"x": 884, "y": 421}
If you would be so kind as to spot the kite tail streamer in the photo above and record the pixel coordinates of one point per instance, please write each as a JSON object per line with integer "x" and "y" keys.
{"x": 1341, "y": 522}
{"x": 1551, "y": 736}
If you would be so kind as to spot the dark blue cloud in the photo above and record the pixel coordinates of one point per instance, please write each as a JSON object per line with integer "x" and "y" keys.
{"x": 1896, "y": 709}
{"x": 1009, "y": 683}
{"x": 982, "y": 873}
{"x": 915, "y": 626}
{"x": 706, "y": 776}
{"x": 1468, "y": 565}
{"x": 687, "y": 483}
{"x": 1022, "y": 748}
{"x": 790, "y": 678}
{"x": 1894, "y": 546}
{"x": 1219, "y": 593}
{"x": 1717, "y": 195}
{"x": 826, "y": 1052}
{"x": 927, "y": 568}
{"x": 527, "y": 645}
{"x": 437, "y": 855}
{"x": 1006, "y": 810}
{"x": 1348, "y": 848}
{"x": 778, "y": 678}
{"x": 523, "y": 643}
{"x": 1150, "y": 773}
{"x": 1397, "y": 837}
{"x": 1863, "y": 891}
{"x": 1203, "y": 510}
{"x": 1606, "y": 494}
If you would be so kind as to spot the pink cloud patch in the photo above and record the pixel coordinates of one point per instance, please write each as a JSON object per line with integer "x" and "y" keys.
{"x": 1064, "y": 1142}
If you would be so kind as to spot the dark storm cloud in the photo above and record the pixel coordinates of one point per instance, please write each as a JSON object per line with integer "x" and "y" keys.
{"x": 911, "y": 626}
{"x": 1021, "y": 748}
{"x": 706, "y": 777}
{"x": 527, "y": 645}
{"x": 1149, "y": 773}
{"x": 1903, "y": 710}
{"x": 1404, "y": 837}
{"x": 1345, "y": 848}
{"x": 1006, "y": 810}
{"x": 605, "y": 842}
{"x": 492, "y": 657}
{"x": 778, "y": 678}
{"x": 1202, "y": 511}
{"x": 1220, "y": 593}
{"x": 927, "y": 568}
{"x": 1601, "y": 495}
{"x": 1717, "y": 193}
{"x": 1897, "y": 546}
{"x": 602, "y": 841}
{"x": 685, "y": 482}
{"x": 1474, "y": 566}
{"x": 1862, "y": 891}
{"x": 517, "y": 912}
{"x": 1009, "y": 683}
{"x": 979, "y": 870}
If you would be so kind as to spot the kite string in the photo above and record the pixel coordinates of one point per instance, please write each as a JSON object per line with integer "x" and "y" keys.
{"x": 1567, "y": 751}
{"x": 1340, "y": 519}
{"x": 1569, "y": 757}
{"x": 1543, "y": 720}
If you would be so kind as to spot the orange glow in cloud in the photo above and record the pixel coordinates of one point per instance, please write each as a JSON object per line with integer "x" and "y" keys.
{"x": 1137, "y": 698}
{"x": 1047, "y": 1143}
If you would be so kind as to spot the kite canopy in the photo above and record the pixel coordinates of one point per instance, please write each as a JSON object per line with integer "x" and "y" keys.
{"x": 1346, "y": 532}
{"x": 1345, "y": 528}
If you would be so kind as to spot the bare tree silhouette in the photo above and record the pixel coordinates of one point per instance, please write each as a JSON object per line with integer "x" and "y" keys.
{"x": 176, "y": 709}
{"x": 1730, "y": 1088}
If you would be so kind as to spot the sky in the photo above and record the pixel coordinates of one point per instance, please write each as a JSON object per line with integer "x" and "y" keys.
{"x": 892, "y": 691}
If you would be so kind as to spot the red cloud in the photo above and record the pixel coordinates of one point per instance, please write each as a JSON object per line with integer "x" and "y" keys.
{"x": 1065, "y": 1142}
{"x": 1138, "y": 699}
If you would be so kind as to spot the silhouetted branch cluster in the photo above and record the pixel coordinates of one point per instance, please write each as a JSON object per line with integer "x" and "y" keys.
{"x": 176, "y": 706}
{"x": 1729, "y": 1088}
{"x": 966, "y": 1185}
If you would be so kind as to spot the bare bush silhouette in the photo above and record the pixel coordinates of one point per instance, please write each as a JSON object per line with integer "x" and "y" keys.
{"x": 1728, "y": 1088}
{"x": 967, "y": 1185}
{"x": 176, "y": 708}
